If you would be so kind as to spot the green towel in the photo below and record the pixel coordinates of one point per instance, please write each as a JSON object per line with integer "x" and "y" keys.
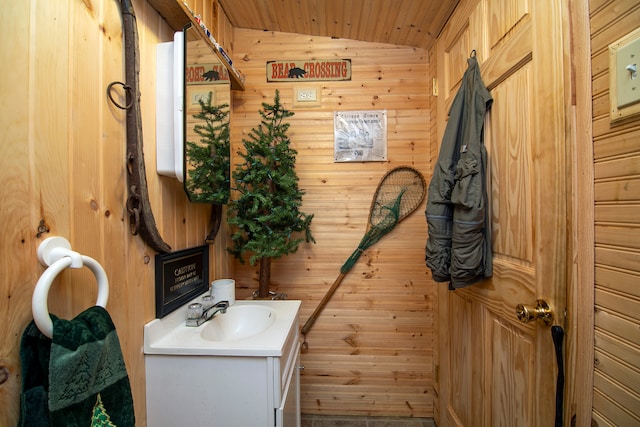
{"x": 76, "y": 379}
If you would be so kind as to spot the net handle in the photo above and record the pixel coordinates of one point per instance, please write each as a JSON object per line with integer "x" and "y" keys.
{"x": 309, "y": 323}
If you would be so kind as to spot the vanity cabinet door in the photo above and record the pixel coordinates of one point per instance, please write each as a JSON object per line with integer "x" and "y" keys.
{"x": 221, "y": 391}
{"x": 288, "y": 414}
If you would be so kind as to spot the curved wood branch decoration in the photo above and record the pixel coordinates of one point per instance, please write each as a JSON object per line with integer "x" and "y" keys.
{"x": 214, "y": 223}
{"x": 141, "y": 218}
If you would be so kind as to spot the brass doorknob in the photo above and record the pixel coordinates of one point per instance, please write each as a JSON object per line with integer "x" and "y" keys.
{"x": 541, "y": 311}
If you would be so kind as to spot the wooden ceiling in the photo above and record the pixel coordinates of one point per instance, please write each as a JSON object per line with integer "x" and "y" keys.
{"x": 414, "y": 23}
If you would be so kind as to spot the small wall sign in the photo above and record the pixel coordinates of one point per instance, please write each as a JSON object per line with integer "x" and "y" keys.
{"x": 311, "y": 70}
{"x": 205, "y": 74}
{"x": 180, "y": 277}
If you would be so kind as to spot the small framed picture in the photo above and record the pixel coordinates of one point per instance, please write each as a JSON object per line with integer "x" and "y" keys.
{"x": 360, "y": 136}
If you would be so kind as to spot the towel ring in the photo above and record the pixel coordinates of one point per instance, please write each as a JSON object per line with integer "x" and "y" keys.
{"x": 56, "y": 253}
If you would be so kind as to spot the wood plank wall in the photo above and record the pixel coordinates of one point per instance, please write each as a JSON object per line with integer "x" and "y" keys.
{"x": 616, "y": 396}
{"x": 371, "y": 350}
{"x": 216, "y": 21}
{"x": 62, "y": 162}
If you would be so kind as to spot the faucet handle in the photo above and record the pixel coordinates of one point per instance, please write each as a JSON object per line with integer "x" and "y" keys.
{"x": 207, "y": 302}
{"x": 194, "y": 310}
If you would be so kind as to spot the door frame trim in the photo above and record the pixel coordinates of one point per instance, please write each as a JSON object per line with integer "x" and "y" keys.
{"x": 580, "y": 289}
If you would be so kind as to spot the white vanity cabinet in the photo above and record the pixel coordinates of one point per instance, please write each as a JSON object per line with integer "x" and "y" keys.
{"x": 239, "y": 389}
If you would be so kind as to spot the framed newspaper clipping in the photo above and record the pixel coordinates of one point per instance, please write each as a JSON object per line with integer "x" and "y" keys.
{"x": 360, "y": 136}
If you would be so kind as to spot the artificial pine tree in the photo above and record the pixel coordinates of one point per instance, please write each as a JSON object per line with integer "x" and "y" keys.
{"x": 266, "y": 215}
{"x": 208, "y": 161}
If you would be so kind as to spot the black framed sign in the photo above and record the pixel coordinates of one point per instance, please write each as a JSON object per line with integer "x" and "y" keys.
{"x": 180, "y": 277}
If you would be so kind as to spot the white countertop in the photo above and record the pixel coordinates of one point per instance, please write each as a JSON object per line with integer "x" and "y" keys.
{"x": 170, "y": 336}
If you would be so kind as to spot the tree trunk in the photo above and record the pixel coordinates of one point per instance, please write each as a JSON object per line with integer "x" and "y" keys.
{"x": 265, "y": 277}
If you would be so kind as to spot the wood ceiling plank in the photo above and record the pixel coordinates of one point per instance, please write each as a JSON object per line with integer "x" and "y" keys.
{"x": 413, "y": 23}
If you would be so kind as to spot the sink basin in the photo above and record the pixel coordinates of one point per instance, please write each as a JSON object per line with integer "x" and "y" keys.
{"x": 248, "y": 328}
{"x": 239, "y": 322}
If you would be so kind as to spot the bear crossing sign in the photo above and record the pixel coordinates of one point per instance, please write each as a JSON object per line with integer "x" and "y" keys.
{"x": 310, "y": 70}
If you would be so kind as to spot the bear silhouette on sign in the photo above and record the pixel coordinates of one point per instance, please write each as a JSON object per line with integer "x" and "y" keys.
{"x": 211, "y": 75}
{"x": 296, "y": 72}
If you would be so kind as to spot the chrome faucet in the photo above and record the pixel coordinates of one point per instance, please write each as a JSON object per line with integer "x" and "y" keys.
{"x": 197, "y": 315}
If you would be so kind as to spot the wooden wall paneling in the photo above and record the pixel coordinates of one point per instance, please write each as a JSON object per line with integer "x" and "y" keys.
{"x": 609, "y": 367}
{"x": 615, "y": 214}
{"x": 616, "y": 143}
{"x": 616, "y": 190}
{"x": 620, "y": 166}
{"x": 618, "y": 236}
{"x": 210, "y": 15}
{"x": 607, "y": 276}
{"x": 18, "y": 219}
{"x": 138, "y": 288}
{"x": 621, "y": 189}
{"x": 371, "y": 348}
{"x": 617, "y": 304}
{"x": 611, "y": 20}
{"x": 85, "y": 149}
{"x": 113, "y": 195}
{"x": 628, "y": 399}
{"x": 64, "y": 163}
{"x": 618, "y": 258}
{"x": 48, "y": 136}
{"x": 148, "y": 38}
{"x": 602, "y": 127}
{"x": 225, "y": 35}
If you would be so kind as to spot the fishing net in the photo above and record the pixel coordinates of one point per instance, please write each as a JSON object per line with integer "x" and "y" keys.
{"x": 399, "y": 193}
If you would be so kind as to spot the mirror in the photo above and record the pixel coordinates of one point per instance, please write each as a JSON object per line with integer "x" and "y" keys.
{"x": 207, "y": 96}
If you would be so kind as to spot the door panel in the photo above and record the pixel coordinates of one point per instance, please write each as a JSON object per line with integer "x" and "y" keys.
{"x": 493, "y": 369}
{"x": 511, "y": 181}
{"x": 512, "y": 374}
{"x": 461, "y": 363}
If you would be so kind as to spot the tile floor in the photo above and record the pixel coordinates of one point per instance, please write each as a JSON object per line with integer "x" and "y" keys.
{"x": 346, "y": 421}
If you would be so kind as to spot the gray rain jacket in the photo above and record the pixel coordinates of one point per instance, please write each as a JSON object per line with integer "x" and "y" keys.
{"x": 458, "y": 248}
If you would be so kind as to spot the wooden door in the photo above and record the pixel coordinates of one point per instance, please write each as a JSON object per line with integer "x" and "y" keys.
{"x": 494, "y": 370}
